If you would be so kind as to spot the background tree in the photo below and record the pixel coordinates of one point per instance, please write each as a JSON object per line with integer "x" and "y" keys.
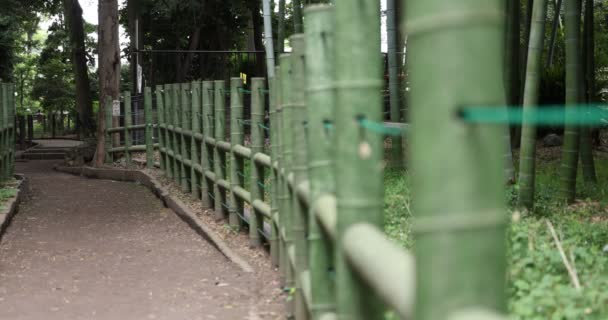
{"x": 109, "y": 68}
{"x": 528, "y": 136}
{"x": 570, "y": 151}
{"x": 84, "y": 102}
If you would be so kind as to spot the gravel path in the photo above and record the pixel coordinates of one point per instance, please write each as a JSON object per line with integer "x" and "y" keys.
{"x": 94, "y": 249}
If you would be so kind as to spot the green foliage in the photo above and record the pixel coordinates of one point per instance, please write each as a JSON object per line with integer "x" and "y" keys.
{"x": 539, "y": 286}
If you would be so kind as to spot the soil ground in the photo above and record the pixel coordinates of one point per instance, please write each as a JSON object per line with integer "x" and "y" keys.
{"x": 95, "y": 249}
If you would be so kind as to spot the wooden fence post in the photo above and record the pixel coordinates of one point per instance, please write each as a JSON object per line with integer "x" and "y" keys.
{"x": 185, "y": 111}
{"x": 319, "y": 33}
{"x": 149, "y": 120}
{"x": 206, "y": 149}
{"x": 219, "y": 156}
{"x": 162, "y": 127}
{"x": 358, "y": 152}
{"x": 195, "y": 145}
{"x": 460, "y": 235}
{"x": 258, "y": 102}
{"x": 128, "y": 120}
{"x": 279, "y": 170}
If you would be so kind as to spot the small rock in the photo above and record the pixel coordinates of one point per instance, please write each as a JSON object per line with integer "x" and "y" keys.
{"x": 553, "y": 140}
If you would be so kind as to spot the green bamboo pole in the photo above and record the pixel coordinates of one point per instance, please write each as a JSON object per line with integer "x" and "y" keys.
{"x": 286, "y": 209}
{"x": 186, "y": 111}
{"x": 195, "y": 145}
{"x": 207, "y": 151}
{"x": 162, "y": 131}
{"x": 279, "y": 178}
{"x": 460, "y": 216}
{"x": 127, "y": 132}
{"x": 274, "y": 189}
{"x": 587, "y": 161}
{"x": 177, "y": 109}
{"x": 258, "y": 101}
{"x": 319, "y": 32}
{"x": 149, "y": 131}
{"x": 170, "y": 155}
{"x": 219, "y": 157}
{"x": 359, "y": 196}
{"x": 570, "y": 150}
{"x": 528, "y": 135}
{"x": 299, "y": 168}
{"x": 109, "y": 159}
{"x": 237, "y": 137}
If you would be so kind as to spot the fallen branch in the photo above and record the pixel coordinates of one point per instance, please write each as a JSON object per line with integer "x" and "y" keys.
{"x": 571, "y": 270}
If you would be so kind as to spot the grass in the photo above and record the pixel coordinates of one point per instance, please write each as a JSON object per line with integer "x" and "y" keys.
{"x": 538, "y": 283}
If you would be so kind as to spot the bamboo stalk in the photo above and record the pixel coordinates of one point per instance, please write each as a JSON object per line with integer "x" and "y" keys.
{"x": 219, "y": 157}
{"x": 319, "y": 32}
{"x": 358, "y": 153}
{"x": 195, "y": 146}
{"x": 207, "y": 155}
{"x": 185, "y": 112}
{"x": 162, "y": 131}
{"x": 527, "y": 162}
{"x": 570, "y": 149}
{"x": 275, "y": 243}
{"x": 169, "y": 138}
{"x": 127, "y": 133}
{"x": 148, "y": 118}
{"x": 460, "y": 216}
{"x": 177, "y": 172}
{"x": 236, "y": 162}
{"x": 258, "y": 101}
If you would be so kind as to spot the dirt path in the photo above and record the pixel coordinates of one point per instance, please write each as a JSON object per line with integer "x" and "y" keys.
{"x": 93, "y": 249}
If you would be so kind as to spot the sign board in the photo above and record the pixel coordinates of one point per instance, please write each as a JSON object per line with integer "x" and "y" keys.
{"x": 116, "y": 108}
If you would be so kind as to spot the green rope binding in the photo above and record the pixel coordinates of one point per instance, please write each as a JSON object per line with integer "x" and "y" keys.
{"x": 591, "y": 115}
{"x": 381, "y": 128}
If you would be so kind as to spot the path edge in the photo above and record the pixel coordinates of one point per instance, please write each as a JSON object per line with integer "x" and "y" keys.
{"x": 12, "y": 206}
{"x": 171, "y": 202}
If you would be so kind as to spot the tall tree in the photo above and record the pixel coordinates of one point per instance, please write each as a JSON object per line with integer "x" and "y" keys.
{"x": 570, "y": 151}
{"x": 298, "y": 24}
{"x": 528, "y": 137}
{"x": 281, "y": 27}
{"x": 109, "y": 68}
{"x": 587, "y": 162}
{"x": 557, "y": 7}
{"x": 84, "y": 102}
{"x": 393, "y": 78}
{"x": 511, "y": 76}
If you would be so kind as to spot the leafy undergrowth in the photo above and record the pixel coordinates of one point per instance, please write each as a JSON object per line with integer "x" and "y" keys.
{"x": 7, "y": 191}
{"x": 539, "y": 286}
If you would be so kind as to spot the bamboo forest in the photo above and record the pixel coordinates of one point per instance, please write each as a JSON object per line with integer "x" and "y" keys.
{"x": 304, "y": 159}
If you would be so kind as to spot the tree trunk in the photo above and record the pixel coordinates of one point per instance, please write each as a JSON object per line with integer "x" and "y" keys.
{"x": 281, "y": 27}
{"x": 298, "y": 25}
{"x": 393, "y": 79}
{"x": 109, "y": 68}
{"x": 570, "y": 151}
{"x": 557, "y": 8}
{"x": 511, "y": 78}
{"x": 84, "y": 101}
{"x": 269, "y": 45}
{"x": 587, "y": 162}
{"x": 136, "y": 37}
{"x": 528, "y": 136}
{"x": 258, "y": 42}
